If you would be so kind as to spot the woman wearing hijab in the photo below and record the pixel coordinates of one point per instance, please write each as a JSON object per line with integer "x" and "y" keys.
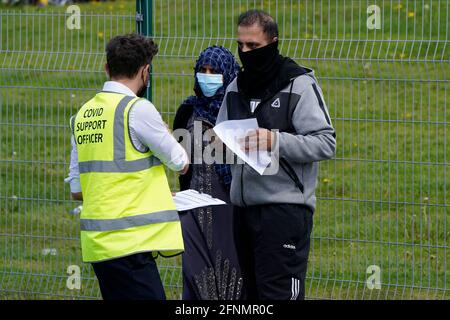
{"x": 210, "y": 264}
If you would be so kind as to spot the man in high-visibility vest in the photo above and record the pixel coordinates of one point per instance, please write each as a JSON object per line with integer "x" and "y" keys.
{"x": 120, "y": 145}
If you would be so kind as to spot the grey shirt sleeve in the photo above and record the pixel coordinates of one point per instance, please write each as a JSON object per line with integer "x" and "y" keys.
{"x": 223, "y": 113}
{"x": 315, "y": 137}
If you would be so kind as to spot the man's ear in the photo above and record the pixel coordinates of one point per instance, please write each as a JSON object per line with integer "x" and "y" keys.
{"x": 275, "y": 39}
{"x": 107, "y": 70}
{"x": 144, "y": 70}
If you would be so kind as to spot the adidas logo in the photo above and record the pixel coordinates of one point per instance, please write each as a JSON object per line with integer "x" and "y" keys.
{"x": 276, "y": 103}
{"x": 289, "y": 246}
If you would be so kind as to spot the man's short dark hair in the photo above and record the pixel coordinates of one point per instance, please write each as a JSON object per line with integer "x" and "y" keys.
{"x": 125, "y": 54}
{"x": 265, "y": 20}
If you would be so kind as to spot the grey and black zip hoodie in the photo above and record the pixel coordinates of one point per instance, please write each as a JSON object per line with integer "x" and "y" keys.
{"x": 294, "y": 106}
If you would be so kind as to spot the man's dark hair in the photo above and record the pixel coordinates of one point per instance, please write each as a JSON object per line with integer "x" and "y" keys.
{"x": 265, "y": 20}
{"x": 125, "y": 54}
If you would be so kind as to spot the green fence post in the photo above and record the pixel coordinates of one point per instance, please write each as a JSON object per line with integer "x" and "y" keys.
{"x": 144, "y": 26}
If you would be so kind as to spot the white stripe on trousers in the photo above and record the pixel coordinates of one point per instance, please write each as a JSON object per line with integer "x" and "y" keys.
{"x": 295, "y": 288}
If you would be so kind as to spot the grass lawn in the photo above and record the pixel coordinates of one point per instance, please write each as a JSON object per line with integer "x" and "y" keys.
{"x": 382, "y": 201}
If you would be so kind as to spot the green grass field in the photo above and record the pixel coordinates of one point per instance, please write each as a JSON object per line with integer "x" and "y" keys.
{"x": 382, "y": 201}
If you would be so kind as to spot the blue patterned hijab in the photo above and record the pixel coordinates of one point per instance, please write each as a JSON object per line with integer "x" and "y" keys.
{"x": 222, "y": 61}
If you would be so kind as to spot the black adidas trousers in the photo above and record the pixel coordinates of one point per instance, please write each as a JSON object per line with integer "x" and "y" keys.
{"x": 273, "y": 244}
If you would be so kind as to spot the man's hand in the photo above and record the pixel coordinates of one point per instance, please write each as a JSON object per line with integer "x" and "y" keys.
{"x": 259, "y": 139}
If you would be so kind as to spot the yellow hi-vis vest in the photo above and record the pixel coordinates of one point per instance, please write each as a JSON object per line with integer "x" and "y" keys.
{"x": 127, "y": 204}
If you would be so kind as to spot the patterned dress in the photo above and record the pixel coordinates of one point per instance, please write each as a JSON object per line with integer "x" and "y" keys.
{"x": 210, "y": 264}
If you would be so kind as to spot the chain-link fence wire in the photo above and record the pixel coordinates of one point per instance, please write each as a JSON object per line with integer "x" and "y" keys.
{"x": 380, "y": 228}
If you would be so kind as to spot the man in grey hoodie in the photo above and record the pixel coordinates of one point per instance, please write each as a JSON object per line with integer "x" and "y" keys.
{"x": 274, "y": 212}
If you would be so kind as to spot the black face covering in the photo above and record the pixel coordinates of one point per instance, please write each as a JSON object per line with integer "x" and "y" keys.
{"x": 143, "y": 90}
{"x": 260, "y": 68}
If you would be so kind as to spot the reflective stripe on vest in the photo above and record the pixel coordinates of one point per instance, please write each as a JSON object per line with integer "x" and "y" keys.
{"x": 128, "y": 222}
{"x": 119, "y": 164}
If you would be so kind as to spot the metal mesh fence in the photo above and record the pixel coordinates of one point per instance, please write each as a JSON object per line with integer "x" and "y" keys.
{"x": 383, "y": 66}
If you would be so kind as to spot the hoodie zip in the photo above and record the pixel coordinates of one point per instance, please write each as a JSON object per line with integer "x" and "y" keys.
{"x": 242, "y": 185}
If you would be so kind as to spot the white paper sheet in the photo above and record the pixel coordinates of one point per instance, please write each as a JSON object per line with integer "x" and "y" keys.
{"x": 191, "y": 199}
{"x": 232, "y": 130}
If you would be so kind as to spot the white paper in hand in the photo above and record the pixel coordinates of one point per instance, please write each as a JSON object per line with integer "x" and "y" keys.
{"x": 231, "y": 131}
{"x": 191, "y": 199}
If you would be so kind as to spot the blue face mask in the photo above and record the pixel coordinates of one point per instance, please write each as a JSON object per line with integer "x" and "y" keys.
{"x": 209, "y": 83}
